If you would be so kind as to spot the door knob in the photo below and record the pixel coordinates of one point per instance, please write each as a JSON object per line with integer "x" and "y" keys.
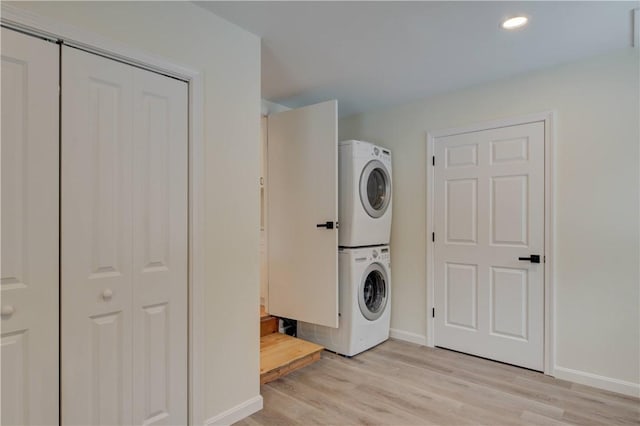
{"x": 107, "y": 294}
{"x": 534, "y": 258}
{"x": 7, "y": 310}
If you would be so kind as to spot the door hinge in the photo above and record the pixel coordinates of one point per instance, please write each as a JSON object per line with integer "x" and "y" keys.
{"x": 433, "y": 312}
{"x": 433, "y": 237}
{"x": 433, "y": 160}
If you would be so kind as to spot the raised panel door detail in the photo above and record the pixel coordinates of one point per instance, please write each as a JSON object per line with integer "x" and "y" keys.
{"x": 461, "y": 295}
{"x": 461, "y": 156}
{"x": 155, "y": 121}
{"x": 156, "y": 365}
{"x": 509, "y": 150}
{"x": 15, "y": 249}
{"x": 29, "y": 228}
{"x": 508, "y": 308}
{"x": 108, "y": 379}
{"x": 15, "y": 378}
{"x": 509, "y": 210}
{"x": 461, "y": 211}
{"x": 104, "y": 122}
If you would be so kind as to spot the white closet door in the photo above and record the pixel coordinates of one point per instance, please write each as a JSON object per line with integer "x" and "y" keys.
{"x": 96, "y": 320}
{"x": 124, "y": 245}
{"x": 159, "y": 249}
{"x": 29, "y": 230}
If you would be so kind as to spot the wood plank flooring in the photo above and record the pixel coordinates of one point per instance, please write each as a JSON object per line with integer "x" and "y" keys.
{"x": 400, "y": 383}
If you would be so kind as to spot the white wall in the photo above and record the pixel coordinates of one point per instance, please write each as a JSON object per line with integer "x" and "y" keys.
{"x": 597, "y": 204}
{"x": 229, "y": 59}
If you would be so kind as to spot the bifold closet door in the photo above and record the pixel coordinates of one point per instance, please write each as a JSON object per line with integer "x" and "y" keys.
{"x": 29, "y": 230}
{"x": 160, "y": 192}
{"x": 124, "y": 243}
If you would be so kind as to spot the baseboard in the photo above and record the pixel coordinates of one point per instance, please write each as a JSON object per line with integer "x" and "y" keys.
{"x": 407, "y": 336}
{"x": 237, "y": 413}
{"x": 601, "y": 382}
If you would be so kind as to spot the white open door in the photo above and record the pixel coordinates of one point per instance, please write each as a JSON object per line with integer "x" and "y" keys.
{"x": 302, "y": 212}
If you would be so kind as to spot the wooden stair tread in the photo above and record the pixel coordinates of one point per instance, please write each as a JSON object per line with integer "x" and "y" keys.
{"x": 268, "y": 325}
{"x": 281, "y": 354}
{"x": 263, "y": 312}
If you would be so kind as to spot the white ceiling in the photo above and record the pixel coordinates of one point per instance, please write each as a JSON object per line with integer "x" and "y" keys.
{"x": 370, "y": 55}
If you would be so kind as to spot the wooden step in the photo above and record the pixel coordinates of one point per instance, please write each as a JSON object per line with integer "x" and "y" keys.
{"x": 263, "y": 312}
{"x": 268, "y": 325}
{"x": 281, "y": 354}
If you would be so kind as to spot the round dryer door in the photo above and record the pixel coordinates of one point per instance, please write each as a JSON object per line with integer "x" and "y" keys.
{"x": 373, "y": 292}
{"x": 375, "y": 188}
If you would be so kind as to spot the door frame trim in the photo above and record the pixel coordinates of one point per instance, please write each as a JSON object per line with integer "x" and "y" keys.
{"x": 549, "y": 119}
{"x": 44, "y": 27}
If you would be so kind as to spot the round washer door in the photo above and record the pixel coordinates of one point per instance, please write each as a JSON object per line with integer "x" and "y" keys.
{"x": 373, "y": 292}
{"x": 375, "y": 188}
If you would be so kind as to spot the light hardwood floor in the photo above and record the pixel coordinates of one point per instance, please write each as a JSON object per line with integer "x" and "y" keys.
{"x": 400, "y": 383}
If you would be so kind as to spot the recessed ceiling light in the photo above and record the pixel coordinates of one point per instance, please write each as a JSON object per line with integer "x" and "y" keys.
{"x": 515, "y": 22}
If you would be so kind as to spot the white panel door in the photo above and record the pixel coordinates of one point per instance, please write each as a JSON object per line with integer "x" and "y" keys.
{"x": 124, "y": 244}
{"x": 489, "y": 213}
{"x": 302, "y": 147}
{"x": 159, "y": 249}
{"x": 96, "y": 244}
{"x": 29, "y": 230}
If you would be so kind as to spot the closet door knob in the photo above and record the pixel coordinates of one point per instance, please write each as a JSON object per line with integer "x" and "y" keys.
{"x": 7, "y": 310}
{"x": 107, "y": 294}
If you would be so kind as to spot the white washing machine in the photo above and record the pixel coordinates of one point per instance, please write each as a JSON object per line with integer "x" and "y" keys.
{"x": 364, "y": 208}
{"x": 364, "y": 303}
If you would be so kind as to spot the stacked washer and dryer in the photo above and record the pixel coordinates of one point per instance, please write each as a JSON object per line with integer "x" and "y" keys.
{"x": 364, "y": 259}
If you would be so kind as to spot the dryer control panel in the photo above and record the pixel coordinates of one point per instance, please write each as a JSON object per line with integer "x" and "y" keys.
{"x": 368, "y": 150}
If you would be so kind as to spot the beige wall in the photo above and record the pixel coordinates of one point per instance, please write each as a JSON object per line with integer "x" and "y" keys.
{"x": 597, "y": 188}
{"x": 229, "y": 59}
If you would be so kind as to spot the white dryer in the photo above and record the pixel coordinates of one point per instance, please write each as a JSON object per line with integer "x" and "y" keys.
{"x": 364, "y": 208}
{"x": 364, "y": 303}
